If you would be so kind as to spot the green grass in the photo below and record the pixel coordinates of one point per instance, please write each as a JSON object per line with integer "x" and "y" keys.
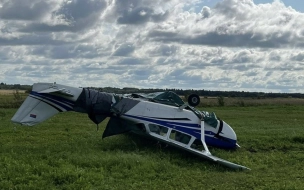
{"x": 67, "y": 152}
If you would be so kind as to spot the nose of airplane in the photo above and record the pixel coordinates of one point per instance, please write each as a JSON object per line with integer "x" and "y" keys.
{"x": 224, "y": 138}
{"x": 228, "y": 136}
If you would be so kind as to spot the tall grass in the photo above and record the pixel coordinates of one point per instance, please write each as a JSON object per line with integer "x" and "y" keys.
{"x": 12, "y": 98}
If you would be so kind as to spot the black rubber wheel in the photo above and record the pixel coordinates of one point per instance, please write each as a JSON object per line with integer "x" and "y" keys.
{"x": 193, "y": 100}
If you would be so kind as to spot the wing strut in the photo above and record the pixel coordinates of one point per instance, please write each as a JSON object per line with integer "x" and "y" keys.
{"x": 203, "y": 138}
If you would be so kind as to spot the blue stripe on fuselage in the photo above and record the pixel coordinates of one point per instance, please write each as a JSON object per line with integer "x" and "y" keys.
{"x": 189, "y": 128}
{"x": 59, "y": 101}
{"x": 222, "y": 143}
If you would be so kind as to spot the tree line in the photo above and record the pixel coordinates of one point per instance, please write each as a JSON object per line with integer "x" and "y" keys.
{"x": 181, "y": 92}
{"x": 204, "y": 93}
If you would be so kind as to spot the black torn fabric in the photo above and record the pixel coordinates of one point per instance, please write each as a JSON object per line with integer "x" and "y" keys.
{"x": 124, "y": 105}
{"x": 96, "y": 104}
{"x": 117, "y": 126}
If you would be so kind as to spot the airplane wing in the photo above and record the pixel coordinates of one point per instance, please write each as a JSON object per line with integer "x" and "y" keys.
{"x": 218, "y": 160}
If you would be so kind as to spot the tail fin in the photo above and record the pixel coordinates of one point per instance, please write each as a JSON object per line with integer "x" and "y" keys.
{"x": 45, "y": 100}
{"x": 33, "y": 111}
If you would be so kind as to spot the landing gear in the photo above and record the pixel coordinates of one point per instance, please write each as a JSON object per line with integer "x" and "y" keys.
{"x": 193, "y": 100}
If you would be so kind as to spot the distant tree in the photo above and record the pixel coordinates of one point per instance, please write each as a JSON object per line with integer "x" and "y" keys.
{"x": 221, "y": 101}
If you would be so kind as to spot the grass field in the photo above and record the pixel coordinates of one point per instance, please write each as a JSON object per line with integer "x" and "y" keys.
{"x": 12, "y": 98}
{"x": 10, "y": 92}
{"x": 67, "y": 152}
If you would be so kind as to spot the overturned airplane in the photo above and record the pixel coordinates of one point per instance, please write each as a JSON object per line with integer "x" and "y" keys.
{"x": 163, "y": 116}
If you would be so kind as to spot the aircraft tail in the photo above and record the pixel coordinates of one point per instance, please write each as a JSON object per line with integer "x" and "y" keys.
{"x": 33, "y": 111}
{"x": 45, "y": 100}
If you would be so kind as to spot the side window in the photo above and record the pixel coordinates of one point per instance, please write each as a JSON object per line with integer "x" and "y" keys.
{"x": 180, "y": 137}
{"x": 157, "y": 129}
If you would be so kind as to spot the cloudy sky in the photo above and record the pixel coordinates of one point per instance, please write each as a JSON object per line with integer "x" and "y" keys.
{"x": 243, "y": 45}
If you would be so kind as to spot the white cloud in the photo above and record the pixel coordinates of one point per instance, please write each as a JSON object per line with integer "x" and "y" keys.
{"x": 235, "y": 45}
{"x": 206, "y": 11}
{"x": 24, "y": 9}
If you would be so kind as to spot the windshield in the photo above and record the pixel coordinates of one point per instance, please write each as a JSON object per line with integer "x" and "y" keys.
{"x": 167, "y": 97}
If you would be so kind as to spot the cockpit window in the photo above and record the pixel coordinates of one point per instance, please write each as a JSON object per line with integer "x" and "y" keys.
{"x": 167, "y": 97}
{"x": 159, "y": 130}
{"x": 180, "y": 137}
